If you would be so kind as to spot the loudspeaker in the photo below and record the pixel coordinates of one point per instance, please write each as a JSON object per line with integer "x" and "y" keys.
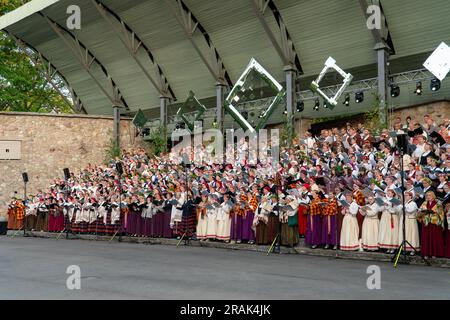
{"x": 402, "y": 143}
{"x": 66, "y": 173}
{"x": 25, "y": 177}
{"x": 119, "y": 168}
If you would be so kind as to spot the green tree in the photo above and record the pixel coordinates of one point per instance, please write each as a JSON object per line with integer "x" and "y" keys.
{"x": 23, "y": 85}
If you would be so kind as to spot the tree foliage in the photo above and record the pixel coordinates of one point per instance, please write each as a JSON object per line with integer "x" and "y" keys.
{"x": 23, "y": 85}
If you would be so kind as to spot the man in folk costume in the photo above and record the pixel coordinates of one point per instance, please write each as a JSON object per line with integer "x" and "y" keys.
{"x": 432, "y": 217}
{"x": 349, "y": 233}
{"x": 371, "y": 224}
{"x": 288, "y": 220}
{"x": 202, "y": 220}
{"x": 411, "y": 225}
{"x": 262, "y": 217}
{"x": 19, "y": 213}
{"x": 329, "y": 223}
{"x": 223, "y": 219}
{"x": 389, "y": 228}
{"x": 313, "y": 235}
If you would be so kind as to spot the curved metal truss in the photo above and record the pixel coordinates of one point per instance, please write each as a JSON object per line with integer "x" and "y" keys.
{"x": 190, "y": 25}
{"x": 133, "y": 43}
{"x": 49, "y": 71}
{"x": 86, "y": 59}
{"x": 285, "y": 49}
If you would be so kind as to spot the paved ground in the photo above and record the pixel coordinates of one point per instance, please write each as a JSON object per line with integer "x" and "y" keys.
{"x": 32, "y": 268}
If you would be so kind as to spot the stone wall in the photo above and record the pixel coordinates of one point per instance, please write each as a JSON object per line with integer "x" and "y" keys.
{"x": 53, "y": 142}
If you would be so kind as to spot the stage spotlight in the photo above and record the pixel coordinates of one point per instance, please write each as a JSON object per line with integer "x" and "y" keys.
{"x": 245, "y": 114}
{"x": 347, "y": 99}
{"x": 435, "y": 84}
{"x": 359, "y": 97}
{"x": 418, "y": 90}
{"x": 285, "y": 111}
{"x": 395, "y": 90}
{"x": 317, "y": 105}
{"x": 300, "y": 106}
{"x": 325, "y": 105}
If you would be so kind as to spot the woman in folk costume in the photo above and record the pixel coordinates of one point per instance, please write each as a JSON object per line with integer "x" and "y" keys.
{"x": 167, "y": 232}
{"x": 304, "y": 201}
{"x": 371, "y": 224}
{"x": 237, "y": 216}
{"x": 92, "y": 218}
{"x": 147, "y": 216}
{"x": 223, "y": 219}
{"x": 262, "y": 217}
{"x": 56, "y": 217}
{"x": 31, "y": 212}
{"x": 288, "y": 220}
{"x": 389, "y": 228}
{"x": 19, "y": 214}
{"x": 411, "y": 225}
{"x": 101, "y": 212}
{"x": 42, "y": 216}
{"x": 349, "y": 233}
{"x": 313, "y": 235}
{"x": 177, "y": 212}
{"x": 11, "y": 216}
{"x": 211, "y": 216}
{"x": 74, "y": 218}
{"x": 131, "y": 225}
{"x": 432, "y": 217}
{"x": 329, "y": 223}
{"x": 202, "y": 219}
{"x": 114, "y": 217}
{"x": 158, "y": 215}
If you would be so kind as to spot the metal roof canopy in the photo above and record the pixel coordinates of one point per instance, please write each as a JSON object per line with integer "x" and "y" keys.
{"x": 139, "y": 50}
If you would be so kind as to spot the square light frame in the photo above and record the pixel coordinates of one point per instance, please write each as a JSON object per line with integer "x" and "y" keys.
{"x": 315, "y": 87}
{"x": 190, "y": 102}
{"x": 231, "y": 102}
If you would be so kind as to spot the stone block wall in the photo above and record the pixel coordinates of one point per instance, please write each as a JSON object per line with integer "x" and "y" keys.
{"x": 50, "y": 143}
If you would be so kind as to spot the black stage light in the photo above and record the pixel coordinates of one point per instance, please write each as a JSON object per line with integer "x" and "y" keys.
{"x": 395, "y": 90}
{"x": 418, "y": 90}
{"x": 300, "y": 106}
{"x": 347, "y": 99}
{"x": 317, "y": 105}
{"x": 359, "y": 97}
{"x": 435, "y": 84}
{"x": 285, "y": 111}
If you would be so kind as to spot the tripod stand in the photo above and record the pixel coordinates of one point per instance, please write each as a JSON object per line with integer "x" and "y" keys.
{"x": 401, "y": 138}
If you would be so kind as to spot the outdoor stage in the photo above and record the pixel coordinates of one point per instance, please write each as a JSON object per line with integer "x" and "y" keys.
{"x": 36, "y": 268}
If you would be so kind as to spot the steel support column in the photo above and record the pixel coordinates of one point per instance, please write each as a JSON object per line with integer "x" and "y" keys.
{"x": 382, "y": 57}
{"x": 163, "y": 101}
{"x": 116, "y": 130}
{"x": 290, "y": 101}
{"x": 219, "y": 103}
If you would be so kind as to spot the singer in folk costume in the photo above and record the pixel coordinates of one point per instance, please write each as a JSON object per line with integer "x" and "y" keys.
{"x": 371, "y": 224}
{"x": 202, "y": 219}
{"x": 262, "y": 217}
{"x": 431, "y": 216}
{"x": 223, "y": 219}
{"x": 329, "y": 236}
{"x": 411, "y": 225}
{"x": 288, "y": 220}
{"x": 303, "y": 210}
{"x": 313, "y": 235}
{"x": 389, "y": 228}
{"x": 349, "y": 233}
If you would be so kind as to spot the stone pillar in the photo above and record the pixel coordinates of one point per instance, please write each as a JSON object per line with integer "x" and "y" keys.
{"x": 382, "y": 58}
{"x": 219, "y": 105}
{"x": 290, "y": 100}
{"x": 116, "y": 130}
